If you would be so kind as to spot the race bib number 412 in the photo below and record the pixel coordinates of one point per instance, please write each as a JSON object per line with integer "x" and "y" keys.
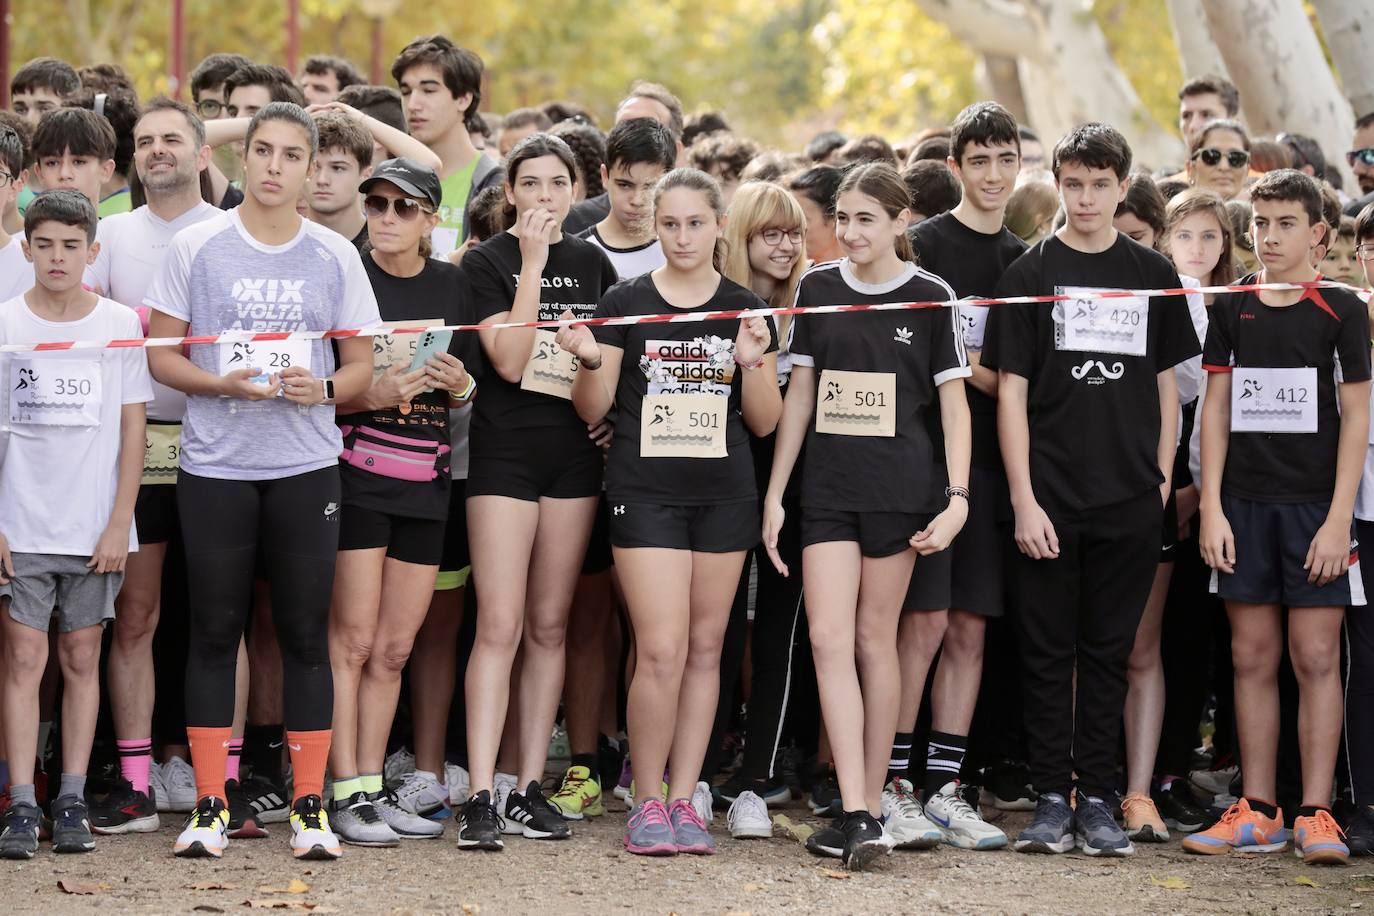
{"x": 1274, "y": 400}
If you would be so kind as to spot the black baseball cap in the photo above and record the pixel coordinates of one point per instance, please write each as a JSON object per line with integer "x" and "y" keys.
{"x": 410, "y": 176}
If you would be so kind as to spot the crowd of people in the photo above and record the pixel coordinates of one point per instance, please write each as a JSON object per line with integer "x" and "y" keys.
{"x": 1094, "y": 558}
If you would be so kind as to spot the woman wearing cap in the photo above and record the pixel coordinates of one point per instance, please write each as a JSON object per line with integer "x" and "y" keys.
{"x": 396, "y": 492}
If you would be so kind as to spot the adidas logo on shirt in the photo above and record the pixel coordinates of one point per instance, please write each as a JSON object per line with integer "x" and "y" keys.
{"x": 903, "y": 335}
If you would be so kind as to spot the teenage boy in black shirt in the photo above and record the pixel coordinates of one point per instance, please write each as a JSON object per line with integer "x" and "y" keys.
{"x": 1087, "y": 409}
{"x": 1285, "y": 430}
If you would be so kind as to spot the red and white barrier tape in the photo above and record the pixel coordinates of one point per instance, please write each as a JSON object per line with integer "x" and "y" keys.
{"x": 249, "y": 336}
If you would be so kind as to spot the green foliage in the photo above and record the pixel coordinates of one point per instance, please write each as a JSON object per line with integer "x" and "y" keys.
{"x": 1142, "y": 41}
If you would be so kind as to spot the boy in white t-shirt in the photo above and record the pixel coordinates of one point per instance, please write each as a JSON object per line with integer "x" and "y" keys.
{"x": 70, "y": 474}
{"x": 15, "y": 275}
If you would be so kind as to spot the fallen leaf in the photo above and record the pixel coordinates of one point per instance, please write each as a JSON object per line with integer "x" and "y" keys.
{"x": 1171, "y": 883}
{"x": 798, "y": 832}
{"x": 837, "y": 875}
{"x": 753, "y": 887}
{"x": 210, "y": 886}
{"x": 206, "y": 908}
{"x": 1305, "y": 881}
{"x": 471, "y": 909}
{"x": 272, "y": 904}
{"x": 85, "y": 890}
{"x": 297, "y": 886}
{"x": 1364, "y": 889}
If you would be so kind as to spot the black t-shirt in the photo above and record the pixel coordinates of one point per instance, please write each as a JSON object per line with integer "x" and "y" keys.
{"x": 689, "y": 358}
{"x": 576, "y": 275}
{"x": 971, "y": 262}
{"x": 1327, "y": 330}
{"x": 440, "y": 293}
{"x": 1094, "y": 413}
{"x": 360, "y": 242}
{"x": 232, "y": 198}
{"x": 587, "y": 213}
{"x": 915, "y": 350}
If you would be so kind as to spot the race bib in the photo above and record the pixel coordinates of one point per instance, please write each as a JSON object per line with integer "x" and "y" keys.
{"x": 268, "y": 357}
{"x": 857, "y": 403}
{"x": 973, "y": 321}
{"x": 682, "y": 426}
{"x": 389, "y": 349}
{"x": 443, "y": 240}
{"x": 161, "y": 453}
{"x": 550, "y": 369}
{"x": 55, "y": 392}
{"x": 1117, "y": 325}
{"x": 1274, "y": 400}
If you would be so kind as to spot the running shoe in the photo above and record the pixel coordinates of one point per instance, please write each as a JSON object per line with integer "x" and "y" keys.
{"x": 960, "y": 823}
{"x": 269, "y": 801}
{"x": 71, "y": 825}
{"x": 459, "y": 787}
{"x": 421, "y": 795}
{"x": 1359, "y": 833}
{"x": 610, "y": 758}
{"x": 399, "y": 764}
{"x": 1176, "y": 806}
{"x": 403, "y": 823}
{"x": 358, "y": 823}
{"x": 19, "y": 839}
{"x": 501, "y": 788}
{"x": 179, "y": 779}
{"x": 1143, "y": 821}
{"x": 689, "y": 829}
{"x": 206, "y": 832}
{"x": 1317, "y": 840}
{"x": 243, "y": 819}
{"x": 1006, "y": 787}
{"x": 579, "y": 796}
{"x": 1051, "y": 827}
{"x": 864, "y": 840}
{"x": 125, "y": 810}
{"x": 624, "y": 785}
{"x": 748, "y": 817}
{"x": 533, "y": 816}
{"x": 311, "y": 837}
{"x": 479, "y": 824}
{"x": 904, "y": 818}
{"x": 648, "y": 832}
{"x": 156, "y": 790}
{"x": 825, "y": 794}
{"x": 828, "y": 841}
{"x": 1096, "y": 830}
{"x": 772, "y": 791}
{"x": 1208, "y": 784}
{"x": 1241, "y": 828}
{"x": 703, "y": 802}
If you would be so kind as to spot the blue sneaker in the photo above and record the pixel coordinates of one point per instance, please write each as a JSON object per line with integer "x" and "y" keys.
{"x": 1051, "y": 829}
{"x": 1097, "y": 831}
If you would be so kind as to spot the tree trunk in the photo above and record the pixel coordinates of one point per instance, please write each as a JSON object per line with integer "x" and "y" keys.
{"x": 1348, "y": 36}
{"x": 1273, "y": 57}
{"x": 1197, "y": 51}
{"x": 999, "y": 79}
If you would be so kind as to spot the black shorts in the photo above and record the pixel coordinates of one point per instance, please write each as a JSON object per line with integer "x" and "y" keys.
{"x": 721, "y": 528}
{"x": 1168, "y": 543}
{"x": 155, "y": 513}
{"x": 410, "y": 540}
{"x": 456, "y": 563}
{"x": 1271, "y": 546}
{"x": 878, "y": 534}
{"x": 532, "y": 463}
{"x": 971, "y": 573}
{"x": 598, "y": 558}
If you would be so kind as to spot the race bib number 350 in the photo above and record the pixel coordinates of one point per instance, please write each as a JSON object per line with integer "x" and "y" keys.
{"x": 1117, "y": 325}
{"x": 268, "y": 357}
{"x": 55, "y": 392}
{"x": 857, "y": 403}
{"x": 682, "y": 426}
{"x": 1274, "y": 400}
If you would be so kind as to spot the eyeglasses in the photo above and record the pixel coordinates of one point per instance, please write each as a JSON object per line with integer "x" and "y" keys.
{"x": 773, "y": 237}
{"x": 1235, "y": 158}
{"x": 6, "y": 179}
{"x": 209, "y": 108}
{"x": 406, "y": 208}
{"x": 1364, "y": 156}
{"x": 1364, "y": 252}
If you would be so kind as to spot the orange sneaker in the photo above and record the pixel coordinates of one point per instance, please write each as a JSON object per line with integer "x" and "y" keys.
{"x": 1317, "y": 840}
{"x": 1142, "y": 819}
{"x": 1242, "y": 829}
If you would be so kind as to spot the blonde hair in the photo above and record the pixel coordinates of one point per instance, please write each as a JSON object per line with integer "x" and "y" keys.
{"x": 760, "y": 205}
{"x": 708, "y": 187}
{"x": 1198, "y": 200}
{"x": 1033, "y": 202}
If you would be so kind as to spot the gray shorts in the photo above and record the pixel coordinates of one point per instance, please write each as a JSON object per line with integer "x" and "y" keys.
{"x": 46, "y": 582}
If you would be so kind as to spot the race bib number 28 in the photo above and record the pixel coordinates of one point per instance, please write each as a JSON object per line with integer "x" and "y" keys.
{"x": 268, "y": 357}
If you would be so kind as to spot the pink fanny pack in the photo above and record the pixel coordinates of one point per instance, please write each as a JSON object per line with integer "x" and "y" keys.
{"x": 389, "y": 455}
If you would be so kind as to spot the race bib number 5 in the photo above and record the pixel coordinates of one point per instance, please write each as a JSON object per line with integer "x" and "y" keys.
{"x": 1274, "y": 400}
{"x": 550, "y": 369}
{"x": 1117, "y": 325}
{"x": 857, "y": 403}
{"x": 682, "y": 426}
{"x": 55, "y": 392}
{"x": 268, "y": 357}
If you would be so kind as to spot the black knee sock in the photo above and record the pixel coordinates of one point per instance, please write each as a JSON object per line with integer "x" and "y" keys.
{"x": 944, "y": 759}
{"x": 262, "y": 751}
{"x": 901, "y": 756}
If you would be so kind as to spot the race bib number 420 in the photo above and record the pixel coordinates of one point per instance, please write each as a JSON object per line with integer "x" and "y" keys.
{"x": 1116, "y": 325}
{"x": 1274, "y": 400}
{"x": 682, "y": 426}
{"x": 55, "y": 392}
{"x": 268, "y": 357}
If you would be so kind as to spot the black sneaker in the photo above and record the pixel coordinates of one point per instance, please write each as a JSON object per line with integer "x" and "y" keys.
{"x": 1008, "y": 784}
{"x": 828, "y": 841}
{"x": 479, "y": 824}
{"x": 125, "y": 810}
{"x": 269, "y": 800}
{"x": 1177, "y": 808}
{"x": 1359, "y": 834}
{"x": 541, "y": 820}
{"x": 19, "y": 839}
{"x": 243, "y": 819}
{"x": 864, "y": 839}
{"x": 825, "y": 794}
{"x": 609, "y": 761}
{"x": 71, "y": 825}
{"x": 772, "y": 791}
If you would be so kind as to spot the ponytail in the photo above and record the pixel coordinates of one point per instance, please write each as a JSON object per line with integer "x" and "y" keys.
{"x": 721, "y": 256}
{"x": 904, "y": 249}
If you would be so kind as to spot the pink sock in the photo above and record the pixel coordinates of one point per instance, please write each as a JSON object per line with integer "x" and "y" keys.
{"x": 135, "y": 759}
{"x": 231, "y": 767}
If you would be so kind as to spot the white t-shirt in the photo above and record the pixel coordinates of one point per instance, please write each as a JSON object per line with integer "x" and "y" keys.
{"x": 58, "y": 482}
{"x": 629, "y": 262}
{"x": 132, "y": 248}
{"x": 16, "y": 273}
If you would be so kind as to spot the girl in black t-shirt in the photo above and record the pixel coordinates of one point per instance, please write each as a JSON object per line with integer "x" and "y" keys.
{"x": 680, "y": 481}
{"x": 864, "y": 384}
{"x": 394, "y": 473}
{"x": 534, "y": 478}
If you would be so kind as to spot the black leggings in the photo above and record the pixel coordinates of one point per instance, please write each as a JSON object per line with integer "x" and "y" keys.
{"x": 1359, "y": 688}
{"x": 294, "y": 522}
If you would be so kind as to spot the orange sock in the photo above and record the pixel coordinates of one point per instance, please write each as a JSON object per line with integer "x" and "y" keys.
{"x": 309, "y": 754}
{"x": 209, "y": 756}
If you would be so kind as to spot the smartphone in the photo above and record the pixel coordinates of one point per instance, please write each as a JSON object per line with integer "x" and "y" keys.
{"x": 430, "y": 343}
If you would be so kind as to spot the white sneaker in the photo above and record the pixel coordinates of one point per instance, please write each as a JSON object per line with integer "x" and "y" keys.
{"x": 179, "y": 780}
{"x": 206, "y": 832}
{"x": 399, "y": 764}
{"x": 459, "y": 784}
{"x": 748, "y": 817}
{"x": 502, "y": 786}
{"x": 702, "y": 802}
{"x": 311, "y": 835}
{"x": 421, "y": 795}
{"x": 904, "y": 820}
{"x": 961, "y": 825}
{"x": 157, "y": 790}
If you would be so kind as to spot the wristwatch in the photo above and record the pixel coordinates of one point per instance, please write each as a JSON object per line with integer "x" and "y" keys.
{"x": 328, "y": 391}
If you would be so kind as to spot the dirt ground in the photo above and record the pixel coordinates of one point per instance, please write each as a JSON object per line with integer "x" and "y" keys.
{"x": 591, "y": 873}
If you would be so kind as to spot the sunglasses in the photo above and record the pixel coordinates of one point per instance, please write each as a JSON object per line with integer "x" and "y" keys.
{"x": 773, "y": 237}
{"x": 1364, "y": 156}
{"x": 1235, "y": 158}
{"x": 209, "y": 108}
{"x": 405, "y": 208}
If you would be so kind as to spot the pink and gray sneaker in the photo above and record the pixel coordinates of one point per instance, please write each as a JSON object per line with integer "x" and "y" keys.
{"x": 689, "y": 830}
{"x": 649, "y": 832}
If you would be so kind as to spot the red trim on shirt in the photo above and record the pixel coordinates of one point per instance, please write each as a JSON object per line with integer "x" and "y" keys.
{"x": 1212, "y": 368}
